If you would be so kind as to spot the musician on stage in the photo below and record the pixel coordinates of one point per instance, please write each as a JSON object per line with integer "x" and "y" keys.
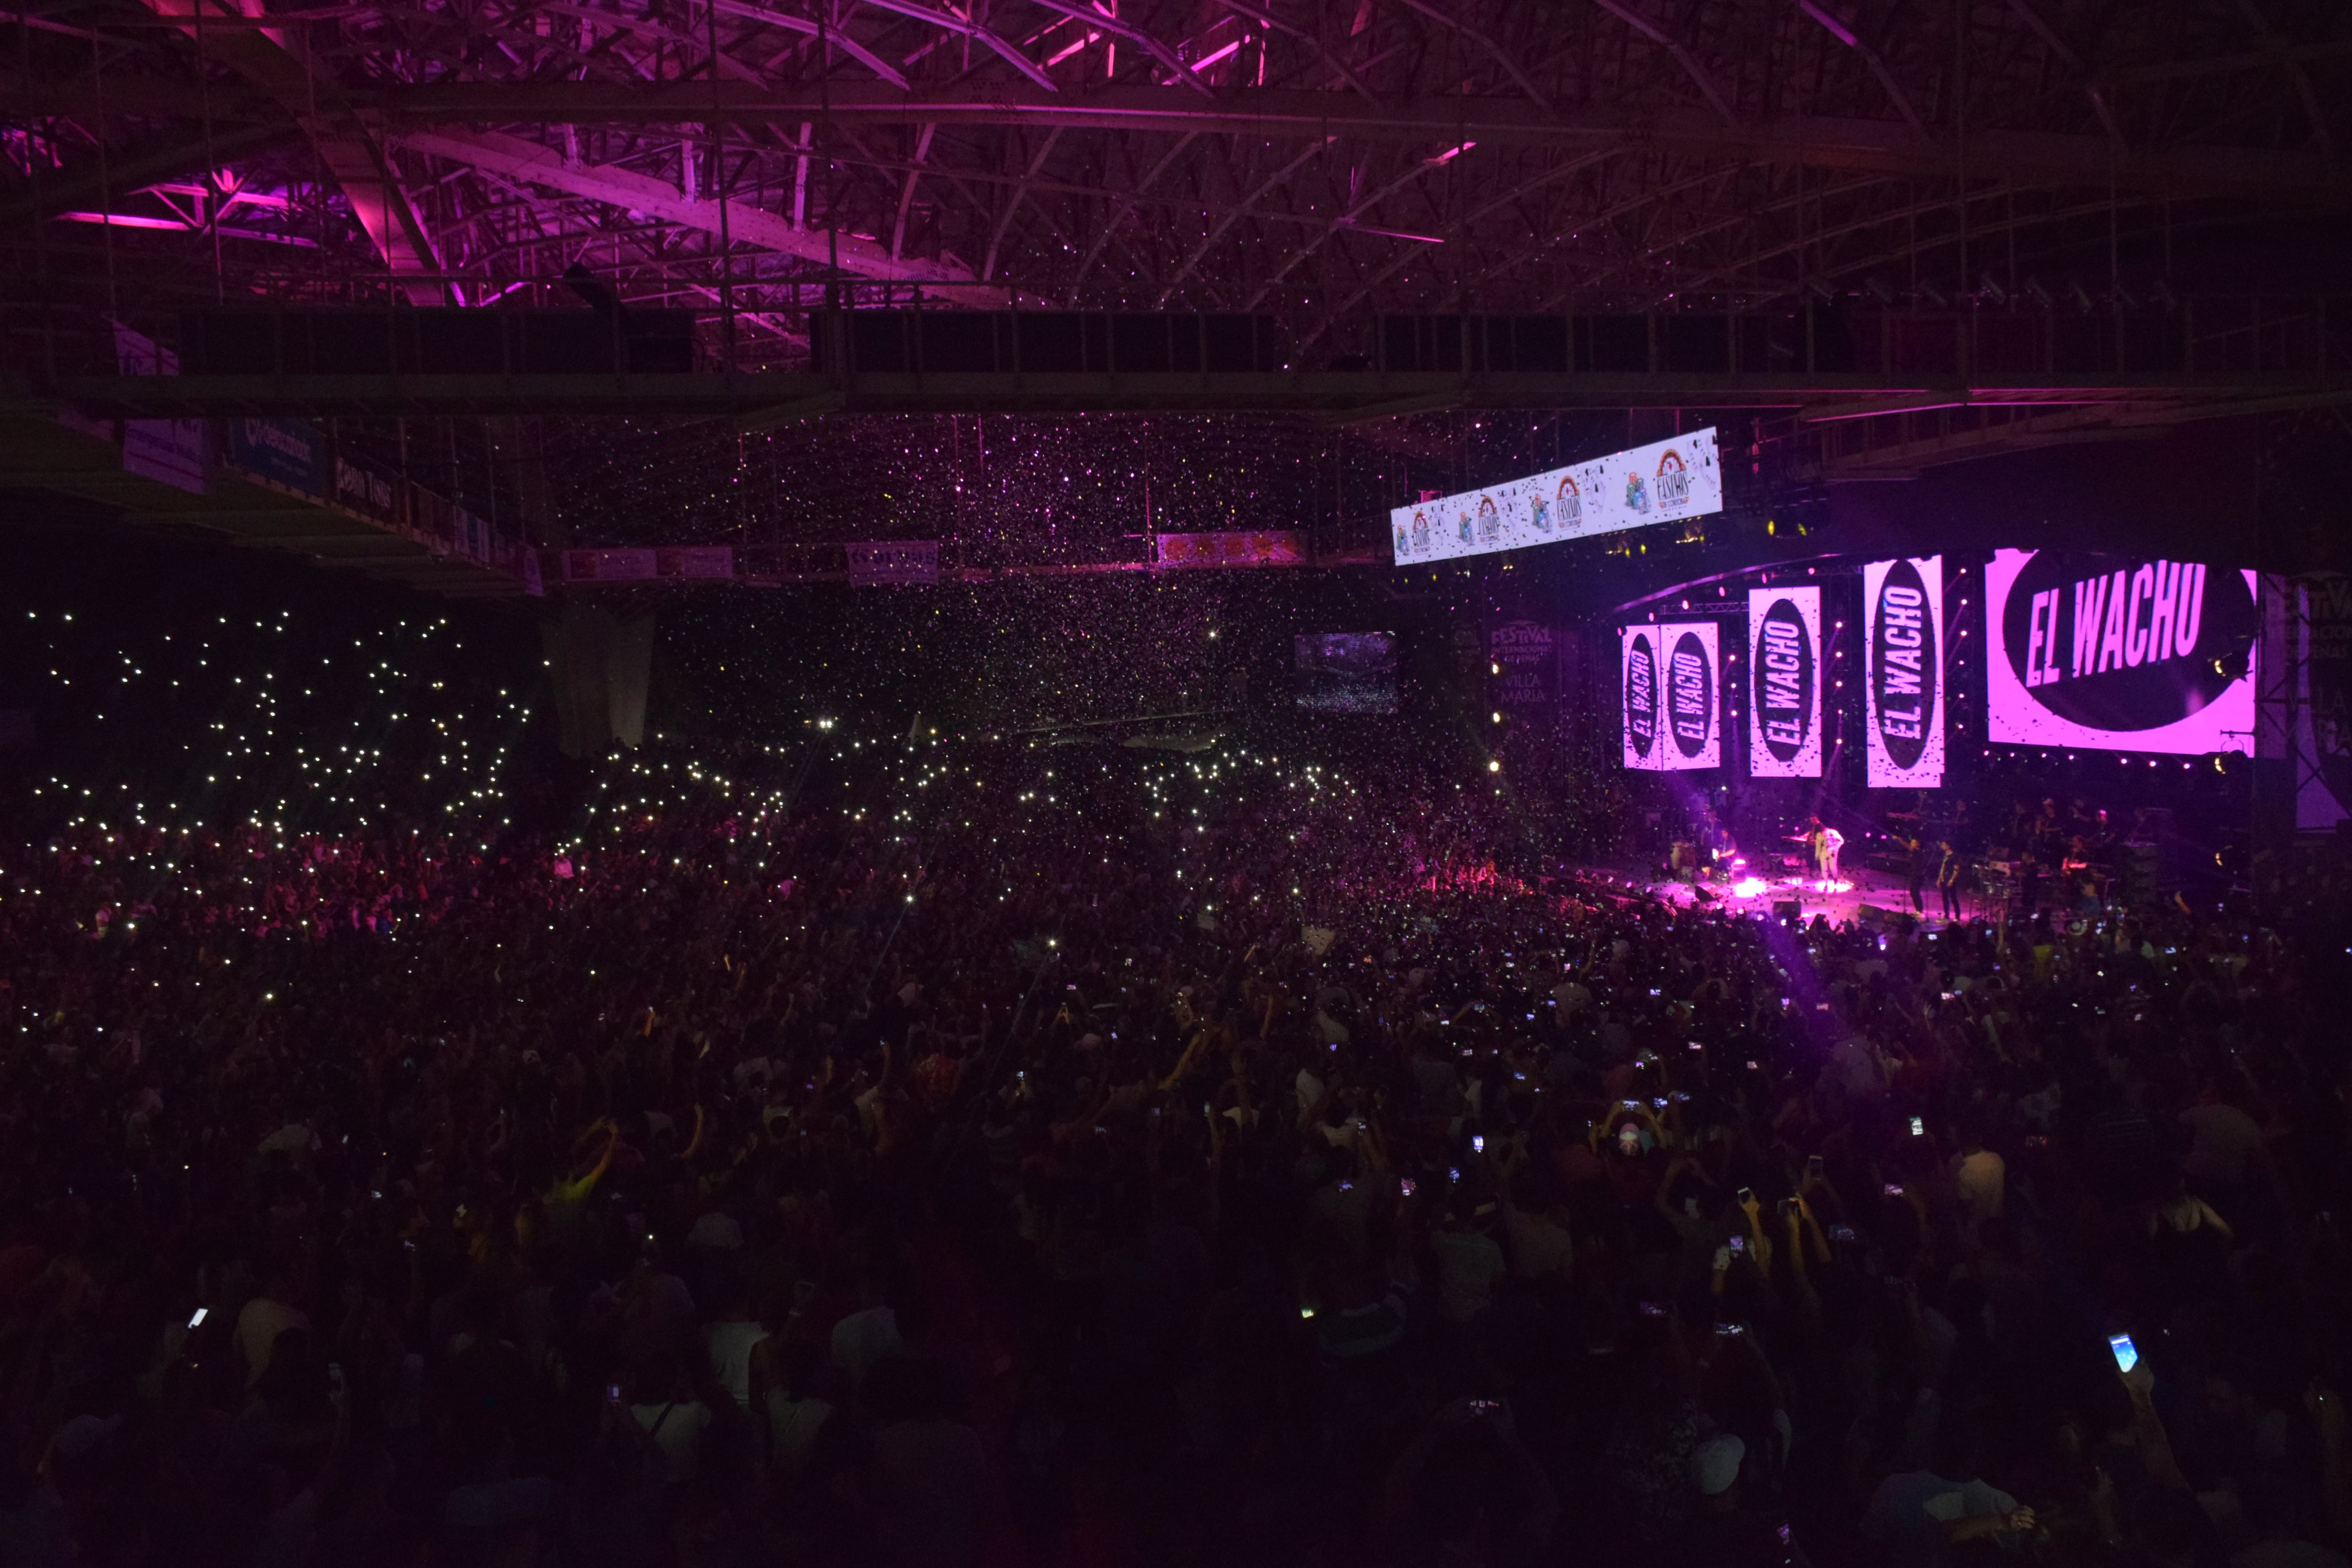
{"x": 1947, "y": 880}
{"x": 1826, "y": 842}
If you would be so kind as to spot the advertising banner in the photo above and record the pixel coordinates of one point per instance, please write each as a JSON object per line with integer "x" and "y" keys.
{"x": 609, "y": 565}
{"x": 2120, "y": 653}
{"x": 174, "y": 452}
{"x": 1665, "y": 481}
{"x": 696, "y": 563}
{"x": 1671, "y": 703}
{"x": 1520, "y": 653}
{"x": 894, "y": 562}
{"x": 288, "y": 455}
{"x": 363, "y": 490}
{"x": 1784, "y": 661}
{"x": 1903, "y": 647}
{"x": 1264, "y": 548}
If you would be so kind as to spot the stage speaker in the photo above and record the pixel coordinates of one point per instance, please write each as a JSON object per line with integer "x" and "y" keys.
{"x": 1869, "y": 915}
{"x": 1788, "y": 909}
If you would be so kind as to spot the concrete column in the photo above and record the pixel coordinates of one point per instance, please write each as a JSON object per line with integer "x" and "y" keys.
{"x": 598, "y": 663}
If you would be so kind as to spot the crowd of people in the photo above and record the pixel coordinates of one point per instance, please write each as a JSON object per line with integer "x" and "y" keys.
{"x": 1035, "y": 1155}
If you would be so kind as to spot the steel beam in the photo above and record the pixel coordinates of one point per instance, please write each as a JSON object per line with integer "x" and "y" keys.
{"x": 1326, "y": 394}
{"x": 1886, "y": 146}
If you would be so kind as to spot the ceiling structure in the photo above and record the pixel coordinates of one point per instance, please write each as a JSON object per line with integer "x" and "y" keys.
{"x": 1318, "y": 161}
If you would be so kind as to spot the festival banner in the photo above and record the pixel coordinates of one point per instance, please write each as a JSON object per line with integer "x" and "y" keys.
{"x": 1903, "y": 685}
{"x": 894, "y": 562}
{"x": 1665, "y": 481}
{"x": 1274, "y": 548}
{"x": 2120, "y": 653}
{"x": 1784, "y": 704}
{"x": 1520, "y": 653}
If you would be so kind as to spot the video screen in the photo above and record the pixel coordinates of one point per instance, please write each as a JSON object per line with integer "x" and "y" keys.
{"x": 1784, "y": 662}
{"x": 1671, "y": 700}
{"x": 1665, "y": 481}
{"x": 2120, "y": 653}
{"x": 1346, "y": 672}
{"x": 1903, "y": 641}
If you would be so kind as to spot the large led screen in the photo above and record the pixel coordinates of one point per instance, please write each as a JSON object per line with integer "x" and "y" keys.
{"x": 1903, "y": 672}
{"x": 1346, "y": 672}
{"x": 1670, "y": 702}
{"x": 1784, "y": 662}
{"x": 1665, "y": 481}
{"x": 2120, "y": 653}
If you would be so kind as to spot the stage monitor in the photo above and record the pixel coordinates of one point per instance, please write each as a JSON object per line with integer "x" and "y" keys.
{"x": 1665, "y": 481}
{"x": 1346, "y": 672}
{"x": 1784, "y": 703}
{"x": 1903, "y": 676}
{"x": 1670, "y": 702}
{"x": 2120, "y": 653}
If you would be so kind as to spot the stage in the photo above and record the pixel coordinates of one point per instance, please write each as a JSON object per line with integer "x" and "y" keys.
{"x": 1750, "y": 893}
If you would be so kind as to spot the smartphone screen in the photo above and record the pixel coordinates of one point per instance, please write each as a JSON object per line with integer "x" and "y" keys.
{"x": 2127, "y": 1354}
{"x": 1738, "y": 1244}
{"x": 1841, "y": 1233}
{"x": 612, "y": 1393}
{"x": 196, "y": 1320}
{"x": 1919, "y": 1127}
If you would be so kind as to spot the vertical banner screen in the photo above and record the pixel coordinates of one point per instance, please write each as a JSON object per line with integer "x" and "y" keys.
{"x": 2120, "y": 654}
{"x": 1903, "y": 641}
{"x": 1784, "y": 661}
{"x": 1672, "y": 705}
{"x": 1643, "y": 707}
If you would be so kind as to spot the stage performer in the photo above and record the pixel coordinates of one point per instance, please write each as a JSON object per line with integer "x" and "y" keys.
{"x": 1947, "y": 881}
{"x": 1827, "y": 842}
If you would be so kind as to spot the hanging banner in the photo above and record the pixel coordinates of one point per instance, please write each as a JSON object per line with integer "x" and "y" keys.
{"x": 1519, "y": 653}
{"x": 1665, "y": 481}
{"x": 1276, "y": 548}
{"x": 288, "y": 455}
{"x": 2120, "y": 653}
{"x": 894, "y": 563}
{"x": 1672, "y": 704}
{"x": 1903, "y": 643}
{"x": 1784, "y": 708}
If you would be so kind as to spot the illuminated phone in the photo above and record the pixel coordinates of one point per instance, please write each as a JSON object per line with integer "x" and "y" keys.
{"x": 1841, "y": 1233}
{"x": 1919, "y": 1127}
{"x": 196, "y": 1320}
{"x": 2127, "y": 1354}
{"x": 1740, "y": 1243}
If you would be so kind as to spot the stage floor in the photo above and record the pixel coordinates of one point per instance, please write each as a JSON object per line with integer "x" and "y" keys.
{"x": 1754, "y": 894}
